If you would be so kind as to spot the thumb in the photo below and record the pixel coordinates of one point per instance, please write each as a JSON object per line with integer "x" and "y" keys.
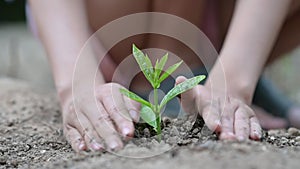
{"x": 133, "y": 108}
{"x": 188, "y": 97}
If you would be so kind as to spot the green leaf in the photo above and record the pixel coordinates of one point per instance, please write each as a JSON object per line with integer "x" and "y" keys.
{"x": 169, "y": 71}
{"x": 159, "y": 66}
{"x": 149, "y": 64}
{"x": 135, "y": 97}
{"x": 180, "y": 88}
{"x": 148, "y": 116}
{"x": 144, "y": 63}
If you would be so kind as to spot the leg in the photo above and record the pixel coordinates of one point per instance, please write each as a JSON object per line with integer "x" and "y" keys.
{"x": 189, "y": 10}
{"x": 289, "y": 37}
{"x": 105, "y": 11}
{"x": 277, "y": 104}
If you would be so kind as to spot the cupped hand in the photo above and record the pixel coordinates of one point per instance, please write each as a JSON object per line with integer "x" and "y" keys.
{"x": 89, "y": 127}
{"x": 230, "y": 117}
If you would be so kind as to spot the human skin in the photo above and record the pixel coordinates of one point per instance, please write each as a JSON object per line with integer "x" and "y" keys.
{"x": 69, "y": 29}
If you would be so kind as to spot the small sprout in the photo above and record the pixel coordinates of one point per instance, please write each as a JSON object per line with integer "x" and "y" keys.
{"x": 150, "y": 113}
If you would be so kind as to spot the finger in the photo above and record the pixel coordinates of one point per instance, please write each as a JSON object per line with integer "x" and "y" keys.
{"x": 83, "y": 126}
{"x": 72, "y": 129}
{"x": 74, "y": 138}
{"x": 133, "y": 108}
{"x": 242, "y": 124}
{"x": 91, "y": 138}
{"x": 227, "y": 116}
{"x": 92, "y": 141}
{"x": 255, "y": 129}
{"x": 103, "y": 125}
{"x": 188, "y": 97}
{"x": 116, "y": 108}
{"x": 211, "y": 116}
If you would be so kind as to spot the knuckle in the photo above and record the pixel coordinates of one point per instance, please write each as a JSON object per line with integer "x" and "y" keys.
{"x": 113, "y": 110}
{"x": 102, "y": 91}
{"x": 69, "y": 119}
{"x": 103, "y": 118}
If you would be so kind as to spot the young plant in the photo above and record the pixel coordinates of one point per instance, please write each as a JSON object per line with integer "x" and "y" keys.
{"x": 150, "y": 112}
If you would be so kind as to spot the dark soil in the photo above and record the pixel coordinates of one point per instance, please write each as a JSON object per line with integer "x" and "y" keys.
{"x": 31, "y": 137}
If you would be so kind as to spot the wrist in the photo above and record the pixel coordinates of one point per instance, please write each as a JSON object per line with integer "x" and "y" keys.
{"x": 231, "y": 83}
{"x": 64, "y": 94}
{"x": 241, "y": 89}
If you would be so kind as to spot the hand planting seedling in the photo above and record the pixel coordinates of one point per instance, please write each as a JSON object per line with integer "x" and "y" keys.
{"x": 151, "y": 112}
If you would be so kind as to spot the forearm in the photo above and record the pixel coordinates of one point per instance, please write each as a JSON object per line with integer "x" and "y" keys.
{"x": 63, "y": 29}
{"x": 252, "y": 33}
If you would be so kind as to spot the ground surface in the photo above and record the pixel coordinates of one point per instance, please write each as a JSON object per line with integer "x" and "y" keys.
{"x": 31, "y": 137}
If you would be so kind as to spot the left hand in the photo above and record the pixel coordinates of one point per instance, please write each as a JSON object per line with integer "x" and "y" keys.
{"x": 228, "y": 116}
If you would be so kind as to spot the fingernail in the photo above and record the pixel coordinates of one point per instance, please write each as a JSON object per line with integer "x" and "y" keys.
{"x": 81, "y": 146}
{"x": 257, "y": 135}
{"x": 134, "y": 115}
{"x": 217, "y": 122}
{"x": 113, "y": 146}
{"x": 218, "y": 125}
{"x": 96, "y": 146}
{"x": 126, "y": 131}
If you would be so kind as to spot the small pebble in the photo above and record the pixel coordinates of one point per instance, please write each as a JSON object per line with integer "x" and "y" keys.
{"x": 174, "y": 131}
{"x": 185, "y": 142}
{"x": 3, "y": 160}
{"x": 181, "y": 129}
{"x": 272, "y": 138}
{"x": 147, "y": 132}
{"x": 273, "y": 132}
{"x": 143, "y": 140}
{"x": 195, "y": 140}
{"x": 166, "y": 121}
{"x": 172, "y": 140}
{"x": 195, "y": 131}
{"x": 206, "y": 131}
{"x": 14, "y": 163}
{"x": 284, "y": 140}
{"x": 3, "y": 149}
{"x": 297, "y": 139}
{"x": 293, "y": 132}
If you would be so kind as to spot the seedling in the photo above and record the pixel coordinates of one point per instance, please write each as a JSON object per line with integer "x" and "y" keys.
{"x": 151, "y": 112}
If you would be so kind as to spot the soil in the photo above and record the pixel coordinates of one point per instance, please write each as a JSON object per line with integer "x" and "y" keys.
{"x": 31, "y": 137}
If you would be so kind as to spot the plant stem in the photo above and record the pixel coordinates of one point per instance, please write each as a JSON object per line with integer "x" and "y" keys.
{"x": 155, "y": 100}
{"x": 157, "y": 114}
{"x": 158, "y": 122}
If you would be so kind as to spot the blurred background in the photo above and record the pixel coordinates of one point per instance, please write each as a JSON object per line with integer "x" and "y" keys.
{"x": 22, "y": 55}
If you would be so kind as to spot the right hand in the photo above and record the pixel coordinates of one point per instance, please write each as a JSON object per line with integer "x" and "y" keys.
{"x": 93, "y": 127}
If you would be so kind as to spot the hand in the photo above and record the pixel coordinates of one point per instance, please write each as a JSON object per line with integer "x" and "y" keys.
{"x": 92, "y": 127}
{"x": 230, "y": 117}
